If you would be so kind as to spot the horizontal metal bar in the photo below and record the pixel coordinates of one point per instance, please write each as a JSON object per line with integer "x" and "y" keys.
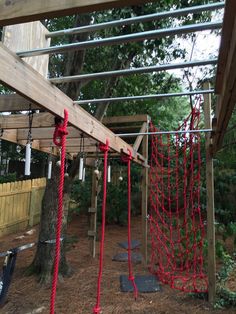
{"x": 163, "y": 132}
{"x": 138, "y": 19}
{"x": 122, "y": 39}
{"x": 156, "y": 68}
{"x": 143, "y": 97}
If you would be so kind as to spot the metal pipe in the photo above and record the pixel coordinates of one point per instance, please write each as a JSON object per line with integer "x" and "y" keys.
{"x": 137, "y": 19}
{"x": 163, "y": 132}
{"x": 153, "y": 34}
{"x": 156, "y": 68}
{"x": 143, "y": 97}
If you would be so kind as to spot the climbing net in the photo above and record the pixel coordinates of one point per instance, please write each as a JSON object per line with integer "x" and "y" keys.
{"x": 176, "y": 223}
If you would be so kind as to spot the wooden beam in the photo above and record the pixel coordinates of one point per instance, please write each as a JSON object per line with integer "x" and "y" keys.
{"x": 13, "y": 12}
{"x": 72, "y": 142}
{"x": 15, "y": 102}
{"x": 44, "y": 120}
{"x": 226, "y": 38}
{"x": 32, "y": 35}
{"x": 34, "y": 87}
{"x": 226, "y": 76}
{"x": 139, "y": 138}
{"x": 210, "y": 202}
{"x": 76, "y": 150}
{"x": 144, "y": 204}
{"x": 125, "y": 119}
{"x": 21, "y": 121}
{"x": 45, "y": 133}
{"x": 9, "y": 135}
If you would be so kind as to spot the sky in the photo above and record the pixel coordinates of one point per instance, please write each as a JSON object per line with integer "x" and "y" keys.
{"x": 205, "y": 47}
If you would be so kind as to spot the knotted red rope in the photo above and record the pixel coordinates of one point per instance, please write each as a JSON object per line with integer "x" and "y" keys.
{"x": 127, "y": 159}
{"x": 104, "y": 149}
{"x": 59, "y": 139}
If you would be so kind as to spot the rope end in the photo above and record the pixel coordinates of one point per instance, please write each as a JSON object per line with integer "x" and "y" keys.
{"x": 96, "y": 310}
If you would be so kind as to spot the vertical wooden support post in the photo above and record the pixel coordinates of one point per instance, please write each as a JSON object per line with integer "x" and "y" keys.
{"x": 93, "y": 215}
{"x": 145, "y": 200}
{"x": 210, "y": 200}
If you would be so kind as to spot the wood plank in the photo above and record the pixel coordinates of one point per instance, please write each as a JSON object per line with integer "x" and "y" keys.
{"x": 226, "y": 37}
{"x": 76, "y": 142}
{"x": 227, "y": 98}
{"x": 21, "y": 121}
{"x": 12, "y": 12}
{"x": 76, "y": 149}
{"x": 125, "y": 119}
{"x": 15, "y": 102}
{"x": 45, "y": 119}
{"x": 32, "y": 36}
{"x": 34, "y": 87}
{"x": 144, "y": 204}
{"x": 9, "y": 135}
{"x": 139, "y": 138}
{"x": 45, "y": 133}
{"x": 210, "y": 201}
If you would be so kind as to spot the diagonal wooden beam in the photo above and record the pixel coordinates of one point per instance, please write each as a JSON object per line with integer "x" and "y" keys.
{"x": 20, "y": 11}
{"x": 139, "y": 138}
{"x": 19, "y": 76}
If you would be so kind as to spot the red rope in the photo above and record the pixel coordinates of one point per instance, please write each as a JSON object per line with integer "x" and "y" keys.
{"x": 176, "y": 225}
{"x": 60, "y": 132}
{"x": 127, "y": 159}
{"x": 104, "y": 149}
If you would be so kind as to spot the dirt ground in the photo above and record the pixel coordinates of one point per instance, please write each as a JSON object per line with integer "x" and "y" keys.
{"x": 77, "y": 294}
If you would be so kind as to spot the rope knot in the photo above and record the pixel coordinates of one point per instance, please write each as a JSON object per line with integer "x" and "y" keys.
{"x": 104, "y": 147}
{"x": 131, "y": 278}
{"x": 127, "y": 158}
{"x": 60, "y": 130}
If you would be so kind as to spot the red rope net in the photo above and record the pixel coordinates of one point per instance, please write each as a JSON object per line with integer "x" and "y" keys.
{"x": 176, "y": 224}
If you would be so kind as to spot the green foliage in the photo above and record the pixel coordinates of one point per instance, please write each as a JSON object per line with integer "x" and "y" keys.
{"x": 116, "y": 209}
{"x": 225, "y": 297}
{"x": 117, "y": 195}
{"x": 81, "y": 193}
{"x": 11, "y": 177}
{"x": 220, "y": 250}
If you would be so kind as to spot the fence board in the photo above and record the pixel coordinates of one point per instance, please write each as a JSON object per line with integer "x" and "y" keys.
{"x": 20, "y": 204}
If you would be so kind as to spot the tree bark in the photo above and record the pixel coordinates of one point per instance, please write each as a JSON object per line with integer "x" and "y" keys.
{"x": 44, "y": 258}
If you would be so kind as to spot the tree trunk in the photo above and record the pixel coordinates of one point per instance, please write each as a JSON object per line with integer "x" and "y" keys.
{"x": 44, "y": 258}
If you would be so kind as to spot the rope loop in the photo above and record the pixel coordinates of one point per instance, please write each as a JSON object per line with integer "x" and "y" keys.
{"x": 60, "y": 130}
{"x": 127, "y": 158}
{"x": 104, "y": 147}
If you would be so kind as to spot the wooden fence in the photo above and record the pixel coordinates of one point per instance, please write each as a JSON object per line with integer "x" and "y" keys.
{"x": 20, "y": 204}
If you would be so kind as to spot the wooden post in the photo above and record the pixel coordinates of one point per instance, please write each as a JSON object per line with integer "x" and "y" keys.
{"x": 93, "y": 215}
{"x": 210, "y": 200}
{"x": 144, "y": 200}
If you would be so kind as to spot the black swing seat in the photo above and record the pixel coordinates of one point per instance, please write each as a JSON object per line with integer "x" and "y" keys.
{"x": 8, "y": 269}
